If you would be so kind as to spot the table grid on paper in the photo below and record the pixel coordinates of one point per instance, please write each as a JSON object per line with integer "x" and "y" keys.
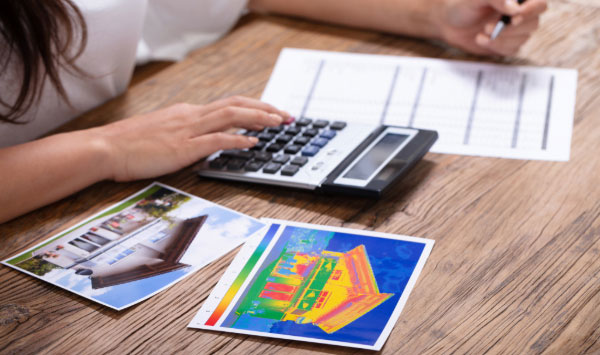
{"x": 477, "y": 110}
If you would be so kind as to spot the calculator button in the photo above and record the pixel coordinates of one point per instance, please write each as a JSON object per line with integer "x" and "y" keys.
{"x": 254, "y": 166}
{"x": 236, "y": 164}
{"x": 338, "y": 125}
{"x": 310, "y": 151}
{"x": 259, "y": 145}
{"x": 251, "y": 133}
{"x": 328, "y": 134}
{"x": 301, "y": 140}
{"x": 263, "y": 156}
{"x": 275, "y": 129}
{"x": 281, "y": 159}
{"x": 303, "y": 122}
{"x": 218, "y": 163}
{"x": 274, "y": 148}
{"x": 245, "y": 154}
{"x": 272, "y": 168}
{"x": 289, "y": 170}
{"x": 311, "y": 132}
{"x": 238, "y": 154}
{"x": 292, "y": 149}
{"x": 230, "y": 153}
{"x": 320, "y": 142}
{"x": 266, "y": 136}
{"x": 292, "y": 131}
{"x": 284, "y": 138}
{"x": 300, "y": 161}
{"x": 320, "y": 124}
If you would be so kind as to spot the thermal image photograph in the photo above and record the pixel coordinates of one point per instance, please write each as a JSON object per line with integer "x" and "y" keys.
{"x": 326, "y": 285}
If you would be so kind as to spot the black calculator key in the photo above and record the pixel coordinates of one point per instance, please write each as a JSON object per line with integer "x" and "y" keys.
{"x": 328, "y": 134}
{"x": 275, "y": 129}
{"x": 266, "y": 136}
{"x": 274, "y": 148}
{"x": 338, "y": 125}
{"x": 320, "y": 142}
{"x": 230, "y": 153}
{"x": 289, "y": 170}
{"x": 300, "y": 161}
{"x": 301, "y": 140}
{"x": 272, "y": 168}
{"x": 245, "y": 154}
{"x": 281, "y": 159}
{"x": 251, "y": 133}
{"x": 263, "y": 156}
{"x": 236, "y": 164}
{"x": 284, "y": 138}
{"x": 292, "y": 149}
{"x": 303, "y": 122}
{"x": 310, "y": 151}
{"x": 259, "y": 145}
{"x": 320, "y": 124}
{"x": 292, "y": 131}
{"x": 238, "y": 154}
{"x": 218, "y": 163}
{"x": 254, "y": 166}
{"x": 311, "y": 132}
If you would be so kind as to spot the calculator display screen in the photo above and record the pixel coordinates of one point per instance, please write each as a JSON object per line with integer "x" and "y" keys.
{"x": 378, "y": 154}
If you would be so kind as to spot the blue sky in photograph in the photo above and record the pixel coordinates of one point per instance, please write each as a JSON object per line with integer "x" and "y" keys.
{"x": 219, "y": 216}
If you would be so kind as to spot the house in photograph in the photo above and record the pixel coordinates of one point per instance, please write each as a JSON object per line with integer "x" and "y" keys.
{"x": 151, "y": 257}
{"x": 329, "y": 289}
{"x": 89, "y": 241}
{"x": 129, "y": 246}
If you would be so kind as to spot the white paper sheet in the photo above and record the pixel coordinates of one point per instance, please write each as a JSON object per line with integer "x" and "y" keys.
{"x": 478, "y": 109}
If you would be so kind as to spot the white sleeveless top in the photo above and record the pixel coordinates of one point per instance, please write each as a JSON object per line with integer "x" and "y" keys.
{"x": 121, "y": 33}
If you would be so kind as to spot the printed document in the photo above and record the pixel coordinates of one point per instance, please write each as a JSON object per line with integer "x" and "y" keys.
{"x": 480, "y": 109}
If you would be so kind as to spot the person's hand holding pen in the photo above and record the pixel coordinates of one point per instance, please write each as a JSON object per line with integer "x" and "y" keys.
{"x": 469, "y": 24}
{"x": 466, "y": 24}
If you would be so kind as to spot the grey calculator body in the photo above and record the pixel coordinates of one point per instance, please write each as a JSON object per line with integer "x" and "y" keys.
{"x": 345, "y": 158}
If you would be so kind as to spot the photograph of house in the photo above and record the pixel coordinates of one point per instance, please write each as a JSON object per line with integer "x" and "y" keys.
{"x": 329, "y": 290}
{"x": 137, "y": 247}
{"x": 133, "y": 244}
{"x": 149, "y": 257}
{"x": 326, "y": 285}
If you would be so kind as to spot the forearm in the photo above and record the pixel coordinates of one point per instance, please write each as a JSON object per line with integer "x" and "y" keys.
{"x": 40, "y": 172}
{"x": 157, "y": 143}
{"x": 408, "y": 17}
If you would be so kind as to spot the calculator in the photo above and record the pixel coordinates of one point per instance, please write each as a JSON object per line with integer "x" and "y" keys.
{"x": 321, "y": 155}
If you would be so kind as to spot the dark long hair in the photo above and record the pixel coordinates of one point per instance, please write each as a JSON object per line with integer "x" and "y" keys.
{"x": 41, "y": 36}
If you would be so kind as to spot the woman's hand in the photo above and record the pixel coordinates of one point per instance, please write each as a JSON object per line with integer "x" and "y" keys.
{"x": 468, "y": 24}
{"x": 167, "y": 140}
{"x": 42, "y": 171}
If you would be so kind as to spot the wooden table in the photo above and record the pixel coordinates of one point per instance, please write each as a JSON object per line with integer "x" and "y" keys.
{"x": 515, "y": 267}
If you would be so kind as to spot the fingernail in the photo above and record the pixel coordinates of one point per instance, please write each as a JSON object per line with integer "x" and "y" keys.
{"x": 253, "y": 140}
{"x": 276, "y": 118}
{"x": 482, "y": 40}
{"x": 517, "y": 20}
{"x": 290, "y": 120}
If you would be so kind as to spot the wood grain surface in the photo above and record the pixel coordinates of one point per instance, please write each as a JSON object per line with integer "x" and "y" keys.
{"x": 515, "y": 267}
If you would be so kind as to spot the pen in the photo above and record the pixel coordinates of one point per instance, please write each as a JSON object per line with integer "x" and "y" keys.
{"x": 504, "y": 20}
